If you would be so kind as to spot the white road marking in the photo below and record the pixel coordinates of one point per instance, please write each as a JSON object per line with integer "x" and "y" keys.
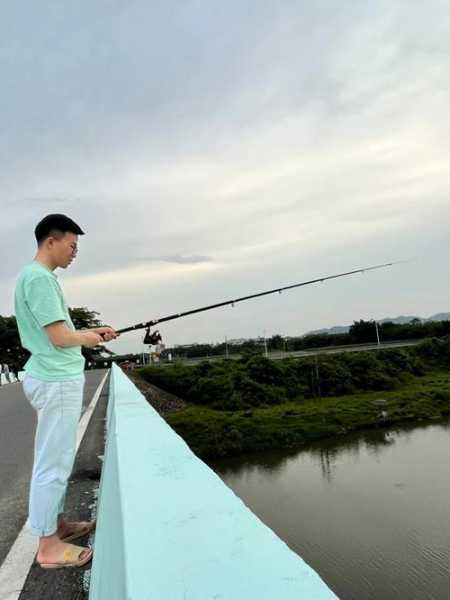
{"x": 14, "y": 569}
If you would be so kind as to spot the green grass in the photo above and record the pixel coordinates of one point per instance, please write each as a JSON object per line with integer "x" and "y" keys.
{"x": 220, "y": 433}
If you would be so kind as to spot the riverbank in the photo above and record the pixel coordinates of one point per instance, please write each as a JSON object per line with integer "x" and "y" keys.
{"x": 212, "y": 433}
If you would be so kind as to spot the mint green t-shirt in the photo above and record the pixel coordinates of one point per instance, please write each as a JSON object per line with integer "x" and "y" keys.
{"x": 40, "y": 301}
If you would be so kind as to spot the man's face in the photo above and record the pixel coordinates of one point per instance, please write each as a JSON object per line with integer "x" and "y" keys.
{"x": 64, "y": 250}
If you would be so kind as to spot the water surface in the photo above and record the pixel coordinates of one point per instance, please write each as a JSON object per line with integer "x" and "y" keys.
{"x": 370, "y": 512}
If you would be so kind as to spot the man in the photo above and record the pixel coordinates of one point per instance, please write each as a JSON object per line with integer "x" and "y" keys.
{"x": 53, "y": 384}
{"x": 6, "y": 372}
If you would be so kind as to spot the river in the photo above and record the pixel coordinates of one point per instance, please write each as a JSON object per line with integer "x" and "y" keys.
{"x": 369, "y": 512}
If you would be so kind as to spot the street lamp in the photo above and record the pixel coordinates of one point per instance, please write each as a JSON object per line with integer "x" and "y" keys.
{"x": 376, "y": 329}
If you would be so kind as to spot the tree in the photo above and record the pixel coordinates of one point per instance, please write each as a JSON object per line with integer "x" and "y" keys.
{"x": 83, "y": 318}
{"x": 363, "y": 331}
{"x": 276, "y": 342}
{"x": 11, "y": 351}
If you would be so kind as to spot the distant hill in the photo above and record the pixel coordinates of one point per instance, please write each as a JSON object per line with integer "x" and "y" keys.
{"x": 398, "y": 320}
{"x": 439, "y": 317}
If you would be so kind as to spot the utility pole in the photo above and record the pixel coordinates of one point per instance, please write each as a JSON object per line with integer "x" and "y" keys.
{"x": 143, "y": 354}
{"x": 318, "y": 377}
{"x": 378, "y": 335}
{"x": 226, "y": 347}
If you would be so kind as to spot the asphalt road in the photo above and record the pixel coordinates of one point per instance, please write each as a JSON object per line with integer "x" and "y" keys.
{"x": 279, "y": 355}
{"x": 17, "y": 428}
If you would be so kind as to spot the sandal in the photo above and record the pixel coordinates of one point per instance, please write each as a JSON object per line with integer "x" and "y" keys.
{"x": 71, "y": 558}
{"x": 82, "y": 528}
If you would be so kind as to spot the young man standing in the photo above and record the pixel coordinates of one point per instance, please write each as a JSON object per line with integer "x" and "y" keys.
{"x": 53, "y": 384}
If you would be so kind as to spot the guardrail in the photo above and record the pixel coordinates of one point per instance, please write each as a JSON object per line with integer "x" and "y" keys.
{"x": 168, "y": 528}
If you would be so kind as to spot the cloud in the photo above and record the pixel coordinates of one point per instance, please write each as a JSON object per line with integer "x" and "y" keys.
{"x": 177, "y": 259}
{"x": 226, "y": 147}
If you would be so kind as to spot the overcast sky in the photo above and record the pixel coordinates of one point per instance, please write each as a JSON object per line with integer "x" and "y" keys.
{"x": 214, "y": 149}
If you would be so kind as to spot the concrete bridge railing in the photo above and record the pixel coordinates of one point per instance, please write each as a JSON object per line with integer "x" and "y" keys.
{"x": 168, "y": 528}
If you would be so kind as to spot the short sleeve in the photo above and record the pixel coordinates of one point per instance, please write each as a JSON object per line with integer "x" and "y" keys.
{"x": 43, "y": 299}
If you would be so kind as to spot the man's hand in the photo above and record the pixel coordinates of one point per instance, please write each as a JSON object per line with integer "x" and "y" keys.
{"x": 91, "y": 339}
{"x": 107, "y": 333}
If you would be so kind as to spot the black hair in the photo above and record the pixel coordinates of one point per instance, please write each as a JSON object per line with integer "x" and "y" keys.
{"x": 55, "y": 225}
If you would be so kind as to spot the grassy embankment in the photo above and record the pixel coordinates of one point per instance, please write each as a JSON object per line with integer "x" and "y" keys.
{"x": 211, "y": 432}
{"x": 421, "y": 391}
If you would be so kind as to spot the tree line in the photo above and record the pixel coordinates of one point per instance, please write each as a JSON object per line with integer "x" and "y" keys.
{"x": 360, "y": 332}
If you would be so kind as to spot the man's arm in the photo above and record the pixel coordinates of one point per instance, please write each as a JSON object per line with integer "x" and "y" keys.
{"x": 43, "y": 299}
{"x": 60, "y": 335}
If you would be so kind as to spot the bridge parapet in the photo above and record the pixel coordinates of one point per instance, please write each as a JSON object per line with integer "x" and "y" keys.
{"x": 169, "y": 528}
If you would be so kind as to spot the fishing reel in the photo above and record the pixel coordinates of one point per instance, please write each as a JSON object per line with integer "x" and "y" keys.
{"x": 152, "y": 339}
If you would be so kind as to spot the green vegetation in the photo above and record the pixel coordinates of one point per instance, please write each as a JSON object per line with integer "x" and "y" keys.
{"x": 255, "y": 403}
{"x": 11, "y": 351}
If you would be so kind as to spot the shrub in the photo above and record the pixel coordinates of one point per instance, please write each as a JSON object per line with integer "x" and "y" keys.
{"x": 212, "y": 390}
{"x": 176, "y": 379}
{"x": 254, "y": 393}
{"x": 258, "y": 381}
{"x": 264, "y": 370}
{"x": 433, "y": 349}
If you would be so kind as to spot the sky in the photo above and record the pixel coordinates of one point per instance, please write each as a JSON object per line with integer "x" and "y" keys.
{"x": 211, "y": 150}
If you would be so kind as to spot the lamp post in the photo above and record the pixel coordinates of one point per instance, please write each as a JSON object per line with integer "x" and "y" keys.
{"x": 376, "y": 328}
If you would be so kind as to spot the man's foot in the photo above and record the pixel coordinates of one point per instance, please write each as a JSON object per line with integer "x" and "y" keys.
{"x": 60, "y": 555}
{"x": 68, "y": 531}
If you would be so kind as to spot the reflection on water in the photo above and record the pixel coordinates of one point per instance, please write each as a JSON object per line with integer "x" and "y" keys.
{"x": 369, "y": 512}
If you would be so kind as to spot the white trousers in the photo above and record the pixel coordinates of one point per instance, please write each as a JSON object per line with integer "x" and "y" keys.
{"x": 58, "y": 406}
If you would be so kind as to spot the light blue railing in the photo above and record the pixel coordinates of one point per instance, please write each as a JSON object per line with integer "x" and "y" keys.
{"x": 168, "y": 528}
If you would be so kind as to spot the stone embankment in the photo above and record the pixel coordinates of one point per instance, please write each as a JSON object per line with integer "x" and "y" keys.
{"x": 163, "y": 402}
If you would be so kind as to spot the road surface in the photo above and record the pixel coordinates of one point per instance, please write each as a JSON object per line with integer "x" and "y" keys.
{"x": 17, "y": 428}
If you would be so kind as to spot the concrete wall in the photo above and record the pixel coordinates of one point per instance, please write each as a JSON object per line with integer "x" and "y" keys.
{"x": 168, "y": 528}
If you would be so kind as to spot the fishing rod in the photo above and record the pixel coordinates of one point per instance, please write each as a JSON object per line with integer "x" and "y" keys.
{"x": 155, "y": 337}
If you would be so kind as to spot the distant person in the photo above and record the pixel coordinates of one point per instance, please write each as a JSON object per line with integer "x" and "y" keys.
{"x": 53, "y": 384}
{"x": 4, "y": 373}
{"x": 7, "y": 374}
